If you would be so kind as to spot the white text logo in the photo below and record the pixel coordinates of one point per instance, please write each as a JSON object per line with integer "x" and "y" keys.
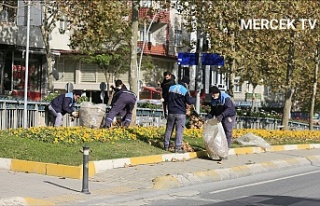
{"x": 278, "y": 24}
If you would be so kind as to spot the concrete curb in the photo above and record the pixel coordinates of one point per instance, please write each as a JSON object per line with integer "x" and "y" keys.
{"x": 162, "y": 182}
{"x": 24, "y": 201}
{"x": 101, "y": 166}
{"x": 174, "y": 181}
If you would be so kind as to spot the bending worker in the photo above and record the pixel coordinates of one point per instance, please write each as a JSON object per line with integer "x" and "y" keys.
{"x": 63, "y": 104}
{"x": 122, "y": 104}
{"x": 223, "y": 108}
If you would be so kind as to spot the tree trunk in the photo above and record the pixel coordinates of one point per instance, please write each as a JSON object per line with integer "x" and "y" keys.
{"x": 253, "y": 97}
{"x": 109, "y": 93}
{"x": 133, "y": 69}
{"x": 233, "y": 68}
{"x": 2, "y": 63}
{"x": 47, "y": 71}
{"x": 288, "y": 86}
{"x": 314, "y": 87}
{"x": 231, "y": 79}
{"x": 287, "y": 108}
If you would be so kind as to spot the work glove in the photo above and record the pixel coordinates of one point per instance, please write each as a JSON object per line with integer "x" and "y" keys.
{"x": 219, "y": 118}
{"x": 75, "y": 114}
{"x": 207, "y": 117}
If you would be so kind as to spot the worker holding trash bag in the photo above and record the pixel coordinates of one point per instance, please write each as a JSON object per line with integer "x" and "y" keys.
{"x": 223, "y": 108}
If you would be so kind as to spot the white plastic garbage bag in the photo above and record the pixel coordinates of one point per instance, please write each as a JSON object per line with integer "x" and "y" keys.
{"x": 251, "y": 139}
{"x": 91, "y": 115}
{"x": 215, "y": 139}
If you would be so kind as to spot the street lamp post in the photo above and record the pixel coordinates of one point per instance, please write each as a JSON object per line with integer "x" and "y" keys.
{"x": 199, "y": 72}
{"x": 142, "y": 50}
{"x": 25, "y": 111}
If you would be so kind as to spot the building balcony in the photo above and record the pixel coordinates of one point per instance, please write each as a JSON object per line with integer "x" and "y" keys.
{"x": 16, "y": 35}
{"x": 163, "y": 17}
{"x": 158, "y": 49}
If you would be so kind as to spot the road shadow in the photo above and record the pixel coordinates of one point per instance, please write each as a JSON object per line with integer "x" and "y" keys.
{"x": 61, "y": 186}
{"x": 269, "y": 200}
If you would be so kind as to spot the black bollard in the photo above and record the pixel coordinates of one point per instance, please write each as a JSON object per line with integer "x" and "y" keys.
{"x": 85, "y": 178}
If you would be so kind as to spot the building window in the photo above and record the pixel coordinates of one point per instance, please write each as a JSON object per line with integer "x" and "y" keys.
{"x": 8, "y": 13}
{"x": 149, "y": 37}
{"x": 143, "y": 38}
{"x": 146, "y": 3}
{"x": 4, "y": 14}
{"x": 178, "y": 39}
{"x": 63, "y": 24}
{"x": 66, "y": 69}
{"x": 237, "y": 85}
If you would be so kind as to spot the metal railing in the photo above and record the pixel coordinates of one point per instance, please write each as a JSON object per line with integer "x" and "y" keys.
{"x": 243, "y": 122}
{"x": 11, "y": 113}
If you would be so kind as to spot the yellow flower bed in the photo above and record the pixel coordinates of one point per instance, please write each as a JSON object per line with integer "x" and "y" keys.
{"x": 82, "y": 134}
{"x": 266, "y": 134}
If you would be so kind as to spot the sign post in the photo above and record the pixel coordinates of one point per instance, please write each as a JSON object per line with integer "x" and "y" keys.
{"x": 208, "y": 59}
{"x": 103, "y": 87}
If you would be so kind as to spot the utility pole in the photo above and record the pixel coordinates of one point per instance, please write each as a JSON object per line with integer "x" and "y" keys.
{"x": 193, "y": 45}
{"x": 199, "y": 71}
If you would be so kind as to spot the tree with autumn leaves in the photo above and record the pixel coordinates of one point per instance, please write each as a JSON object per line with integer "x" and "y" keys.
{"x": 100, "y": 31}
{"x": 284, "y": 60}
{"x": 290, "y": 53}
{"x": 106, "y": 33}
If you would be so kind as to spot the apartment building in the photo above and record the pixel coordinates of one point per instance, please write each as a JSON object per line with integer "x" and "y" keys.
{"x": 13, "y": 51}
{"x": 160, "y": 37}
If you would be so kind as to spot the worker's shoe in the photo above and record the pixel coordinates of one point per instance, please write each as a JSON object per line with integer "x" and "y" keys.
{"x": 179, "y": 151}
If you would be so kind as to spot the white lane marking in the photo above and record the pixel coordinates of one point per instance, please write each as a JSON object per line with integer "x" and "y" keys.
{"x": 263, "y": 182}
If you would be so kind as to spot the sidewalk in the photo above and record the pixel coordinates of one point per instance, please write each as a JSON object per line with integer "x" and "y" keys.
{"x": 34, "y": 189}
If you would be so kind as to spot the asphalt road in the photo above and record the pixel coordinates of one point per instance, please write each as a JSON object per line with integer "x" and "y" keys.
{"x": 294, "y": 187}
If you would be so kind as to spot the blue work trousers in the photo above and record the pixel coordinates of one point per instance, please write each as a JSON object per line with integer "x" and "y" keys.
{"x": 179, "y": 121}
{"x": 122, "y": 108}
{"x": 57, "y": 115}
{"x": 228, "y": 124}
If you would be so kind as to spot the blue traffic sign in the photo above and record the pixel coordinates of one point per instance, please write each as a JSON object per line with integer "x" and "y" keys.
{"x": 207, "y": 59}
{"x": 212, "y": 59}
{"x": 188, "y": 59}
